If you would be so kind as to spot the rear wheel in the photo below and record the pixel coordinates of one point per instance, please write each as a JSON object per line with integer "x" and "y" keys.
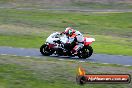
{"x": 44, "y": 49}
{"x": 85, "y": 52}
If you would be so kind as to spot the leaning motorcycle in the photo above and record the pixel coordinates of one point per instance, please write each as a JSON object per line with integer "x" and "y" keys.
{"x": 56, "y": 44}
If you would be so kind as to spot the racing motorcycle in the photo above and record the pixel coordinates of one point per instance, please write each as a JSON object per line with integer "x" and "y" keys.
{"x": 56, "y": 44}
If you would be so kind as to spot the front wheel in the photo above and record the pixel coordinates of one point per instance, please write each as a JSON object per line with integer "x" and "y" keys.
{"x": 85, "y": 52}
{"x": 44, "y": 49}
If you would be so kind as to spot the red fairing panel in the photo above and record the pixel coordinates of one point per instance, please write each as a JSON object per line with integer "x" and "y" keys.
{"x": 88, "y": 40}
{"x": 51, "y": 45}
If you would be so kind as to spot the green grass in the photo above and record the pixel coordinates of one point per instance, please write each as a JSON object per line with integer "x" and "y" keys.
{"x": 29, "y": 28}
{"x": 21, "y": 41}
{"x": 95, "y": 23}
{"x": 112, "y": 45}
{"x": 22, "y": 72}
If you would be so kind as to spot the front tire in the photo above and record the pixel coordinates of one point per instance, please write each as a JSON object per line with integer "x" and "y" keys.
{"x": 85, "y": 52}
{"x": 44, "y": 49}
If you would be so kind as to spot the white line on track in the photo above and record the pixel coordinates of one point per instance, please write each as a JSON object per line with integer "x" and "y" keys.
{"x": 22, "y": 48}
{"x": 105, "y": 63}
{"x": 127, "y": 65}
{"x": 71, "y": 60}
{"x": 3, "y": 54}
{"x": 10, "y": 47}
{"x": 13, "y": 55}
{"x": 60, "y": 59}
{"x": 82, "y": 61}
{"x": 27, "y": 56}
{"x": 64, "y": 59}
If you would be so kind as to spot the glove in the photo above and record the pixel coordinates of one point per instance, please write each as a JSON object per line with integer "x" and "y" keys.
{"x": 62, "y": 33}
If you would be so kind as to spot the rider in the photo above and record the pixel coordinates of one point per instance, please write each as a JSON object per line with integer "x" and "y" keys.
{"x": 74, "y": 35}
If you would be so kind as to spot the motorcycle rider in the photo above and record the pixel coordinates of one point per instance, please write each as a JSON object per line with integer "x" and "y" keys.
{"x": 74, "y": 35}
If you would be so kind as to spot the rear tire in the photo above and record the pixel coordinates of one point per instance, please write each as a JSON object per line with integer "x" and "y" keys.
{"x": 44, "y": 49}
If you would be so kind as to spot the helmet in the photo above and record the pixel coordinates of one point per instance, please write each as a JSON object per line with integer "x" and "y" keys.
{"x": 69, "y": 31}
{"x": 68, "y": 28}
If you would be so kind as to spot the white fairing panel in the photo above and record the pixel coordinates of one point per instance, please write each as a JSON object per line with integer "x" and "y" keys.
{"x": 56, "y": 36}
{"x": 80, "y": 38}
{"x": 78, "y": 33}
{"x": 70, "y": 40}
{"x": 90, "y": 39}
{"x": 63, "y": 38}
{"x": 52, "y": 37}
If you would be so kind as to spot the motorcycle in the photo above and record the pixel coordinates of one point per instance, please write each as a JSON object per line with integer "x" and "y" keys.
{"x": 56, "y": 44}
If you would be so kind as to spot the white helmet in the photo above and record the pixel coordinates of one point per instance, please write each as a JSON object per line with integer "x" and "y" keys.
{"x": 69, "y": 31}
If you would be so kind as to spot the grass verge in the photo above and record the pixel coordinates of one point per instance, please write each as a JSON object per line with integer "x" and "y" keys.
{"x": 50, "y": 72}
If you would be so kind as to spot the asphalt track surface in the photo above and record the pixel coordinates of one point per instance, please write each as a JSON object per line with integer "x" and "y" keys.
{"x": 71, "y": 10}
{"x": 100, "y": 58}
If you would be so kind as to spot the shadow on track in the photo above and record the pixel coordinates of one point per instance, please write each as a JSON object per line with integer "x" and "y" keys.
{"x": 70, "y": 58}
